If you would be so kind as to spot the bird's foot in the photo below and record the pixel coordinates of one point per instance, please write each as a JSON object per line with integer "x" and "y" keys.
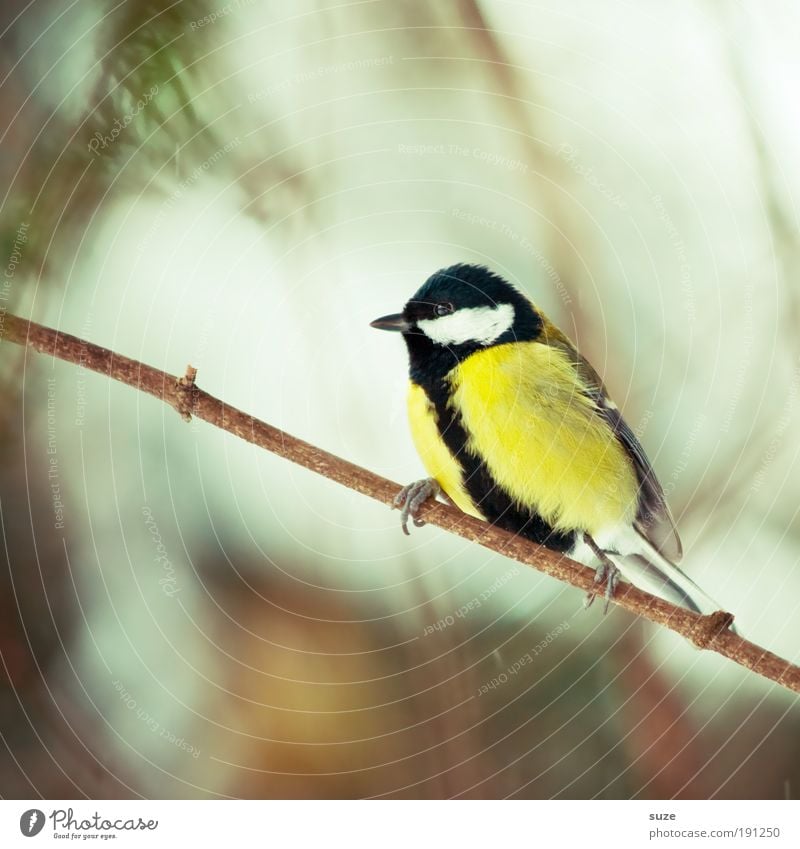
{"x": 606, "y": 573}
{"x": 411, "y": 498}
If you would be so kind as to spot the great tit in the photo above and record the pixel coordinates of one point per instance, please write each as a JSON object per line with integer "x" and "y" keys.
{"x": 515, "y": 427}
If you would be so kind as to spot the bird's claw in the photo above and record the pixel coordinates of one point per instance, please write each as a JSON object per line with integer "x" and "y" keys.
{"x": 411, "y": 497}
{"x": 606, "y": 573}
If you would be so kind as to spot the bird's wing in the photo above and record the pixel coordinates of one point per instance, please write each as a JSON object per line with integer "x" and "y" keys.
{"x": 653, "y": 520}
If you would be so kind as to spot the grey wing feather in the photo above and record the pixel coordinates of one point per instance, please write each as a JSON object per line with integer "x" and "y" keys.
{"x": 653, "y": 520}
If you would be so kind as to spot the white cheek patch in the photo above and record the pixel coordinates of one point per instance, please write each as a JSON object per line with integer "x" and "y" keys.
{"x": 474, "y": 324}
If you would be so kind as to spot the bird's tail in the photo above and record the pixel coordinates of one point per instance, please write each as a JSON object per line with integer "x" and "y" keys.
{"x": 649, "y": 570}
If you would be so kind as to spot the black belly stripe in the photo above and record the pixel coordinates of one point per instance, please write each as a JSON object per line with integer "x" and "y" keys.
{"x": 491, "y": 499}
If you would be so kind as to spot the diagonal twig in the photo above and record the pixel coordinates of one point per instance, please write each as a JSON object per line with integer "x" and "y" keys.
{"x": 708, "y": 632}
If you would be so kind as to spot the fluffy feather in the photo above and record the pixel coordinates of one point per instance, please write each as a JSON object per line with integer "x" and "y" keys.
{"x": 542, "y": 438}
{"x": 434, "y": 453}
{"x": 643, "y": 565}
{"x": 653, "y": 518}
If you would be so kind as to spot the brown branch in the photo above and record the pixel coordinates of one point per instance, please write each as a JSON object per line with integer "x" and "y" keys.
{"x": 709, "y": 632}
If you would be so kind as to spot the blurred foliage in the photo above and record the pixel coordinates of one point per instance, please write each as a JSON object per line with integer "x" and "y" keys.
{"x": 212, "y": 622}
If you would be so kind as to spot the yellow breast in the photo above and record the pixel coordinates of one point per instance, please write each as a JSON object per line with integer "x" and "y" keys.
{"x": 541, "y": 438}
{"x": 433, "y": 452}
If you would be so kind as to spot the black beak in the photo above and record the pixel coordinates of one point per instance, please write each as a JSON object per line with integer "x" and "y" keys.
{"x": 391, "y": 322}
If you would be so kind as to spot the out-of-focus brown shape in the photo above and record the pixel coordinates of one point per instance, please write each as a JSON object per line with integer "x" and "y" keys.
{"x": 49, "y": 747}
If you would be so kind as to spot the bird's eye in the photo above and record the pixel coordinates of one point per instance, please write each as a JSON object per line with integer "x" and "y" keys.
{"x": 443, "y": 309}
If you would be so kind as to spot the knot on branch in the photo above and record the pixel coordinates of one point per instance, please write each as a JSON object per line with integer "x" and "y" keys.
{"x": 708, "y": 628}
{"x": 186, "y": 391}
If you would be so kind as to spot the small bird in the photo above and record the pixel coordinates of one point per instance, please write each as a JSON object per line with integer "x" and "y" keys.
{"x": 515, "y": 427}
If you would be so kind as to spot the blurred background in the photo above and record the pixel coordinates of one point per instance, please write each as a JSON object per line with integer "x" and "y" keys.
{"x": 243, "y": 187}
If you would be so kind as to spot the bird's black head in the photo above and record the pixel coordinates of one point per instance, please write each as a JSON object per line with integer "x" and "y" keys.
{"x": 458, "y": 311}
